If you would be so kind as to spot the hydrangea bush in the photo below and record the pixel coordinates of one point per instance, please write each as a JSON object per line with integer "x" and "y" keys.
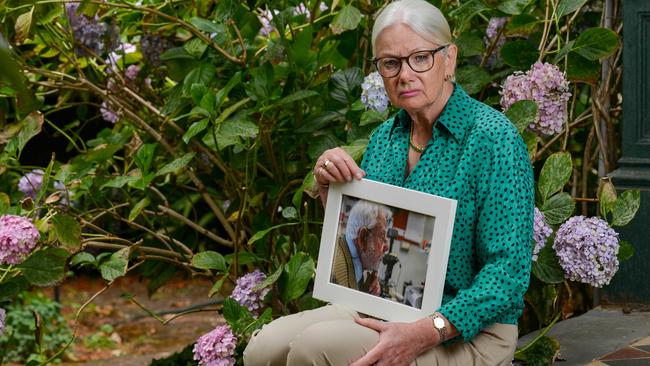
{"x": 188, "y": 133}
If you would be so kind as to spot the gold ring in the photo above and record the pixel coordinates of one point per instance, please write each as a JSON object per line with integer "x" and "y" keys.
{"x": 327, "y": 162}
{"x": 320, "y": 171}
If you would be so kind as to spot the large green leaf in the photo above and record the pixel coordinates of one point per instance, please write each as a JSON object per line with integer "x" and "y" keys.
{"x": 555, "y": 174}
{"x": 23, "y": 24}
{"x": 45, "y": 267}
{"x": 11, "y": 288}
{"x": 522, "y": 113}
{"x": 519, "y": 54}
{"x": 568, "y": 6}
{"x": 176, "y": 165}
{"x": 558, "y": 208}
{"x": 472, "y": 78}
{"x": 234, "y": 132}
{"x": 547, "y": 268}
{"x": 209, "y": 260}
{"x": 202, "y": 74}
{"x": 144, "y": 157}
{"x": 469, "y": 45}
{"x": 116, "y": 265}
{"x": 195, "y": 129}
{"x": 625, "y": 207}
{"x": 513, "y": 7}
{"x": 606, "y": 196}
{"x": 270, "y": 280}
{"x": 625, "y": 251}
{"x": 348, "y": 18}
{"x": 522, "y": 25}
{"x": 295, "y": 278}
{"x": 344, "y": 82}
{"x": 29, "y": 127}
{"x": 138, "y": 207}
{"x": 68, "y": 231}
{"x": 207, "y": 26}
{"x": 579, "y": 69}
{"x": 596, "y": 43}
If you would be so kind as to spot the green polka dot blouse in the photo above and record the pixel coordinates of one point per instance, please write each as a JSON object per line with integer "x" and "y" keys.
{"x": 477, "y": 157}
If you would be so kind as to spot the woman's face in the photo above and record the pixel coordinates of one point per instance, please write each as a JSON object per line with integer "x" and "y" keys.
{"x": 411, "y": 90}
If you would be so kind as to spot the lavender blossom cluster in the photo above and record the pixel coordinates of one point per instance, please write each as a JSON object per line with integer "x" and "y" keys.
{"x": 88, "y": 32}
{"x": 541, "y": 232}
{"x": 18, "y": 237}
{"x": 216, "y": 348}
{"x": 587, "y": 249}
{"x": 547, "y": 86}
{"x": 493, "y": 36}
{"x": 3, "y": 315}
{"x": 30, "y": 183}
{"x": 152, "y": 46}
{"x": 244, "y": 293}
{"x": 373, "y": 94}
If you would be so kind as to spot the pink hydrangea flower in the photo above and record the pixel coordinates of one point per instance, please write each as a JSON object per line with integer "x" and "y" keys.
{"x": 541, "y": 232}
{"x": 216, "y": 348}
{"x": 244, "y": 293}
{"x": 18, "y": 237}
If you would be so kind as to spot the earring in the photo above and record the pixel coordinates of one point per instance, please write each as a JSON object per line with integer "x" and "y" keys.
{"x": 450, "y": 77}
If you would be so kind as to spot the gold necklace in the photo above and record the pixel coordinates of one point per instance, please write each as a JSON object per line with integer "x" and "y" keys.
{"x": 418, "y": 149}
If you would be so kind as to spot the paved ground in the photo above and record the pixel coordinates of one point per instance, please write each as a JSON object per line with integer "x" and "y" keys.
{"x": 606, "y": 334}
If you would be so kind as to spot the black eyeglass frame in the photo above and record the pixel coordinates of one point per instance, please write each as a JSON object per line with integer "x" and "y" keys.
{"x": 432, "y": 52}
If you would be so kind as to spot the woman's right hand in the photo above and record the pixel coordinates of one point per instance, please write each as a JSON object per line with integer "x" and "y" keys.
{"x": 335, "y": 165}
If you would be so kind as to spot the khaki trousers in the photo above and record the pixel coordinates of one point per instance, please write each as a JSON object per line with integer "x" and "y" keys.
{"x": 329, "y": 336}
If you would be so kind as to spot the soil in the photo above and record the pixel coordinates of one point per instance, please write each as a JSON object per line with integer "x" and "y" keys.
{"x": 114, "y": 331}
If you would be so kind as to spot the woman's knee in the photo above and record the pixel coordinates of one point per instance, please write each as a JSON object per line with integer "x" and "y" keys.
{"x": 265, "y": 349}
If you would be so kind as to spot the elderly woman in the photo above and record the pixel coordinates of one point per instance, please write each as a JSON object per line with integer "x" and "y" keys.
{"x": 442, "y": 142}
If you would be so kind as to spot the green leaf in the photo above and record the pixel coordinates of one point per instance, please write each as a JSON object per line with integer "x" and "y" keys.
{"x": 231, "y": 310}
{"x": 82, "y": 258}
{"x": 216, "y": 287}
{"x": 348, "y": 18}
{"x": 566, "y": 7}
{"x": 356, "y": 148}
{"x": 625, "y": 207}
{"x": 137, "y": 209}
{"x": 195, "y": 47}
{"x": 299, "y": 95}
{"x": 469, "y": 45}
{"x": 45, "y": 267}
{"x": 209, "y": 260}
{"x": 625, "y": 251}
{"x": 472, "y": 78}
{"x": 260, "y": 234}
{"x": 513, "y": 7}
{"x": 522, "y": 113}
{"x": 547, "y": 268}
{"x": 23, "y": 24}
{"x": 522, "y": 25}
{"x": 371, "y": 116}
{"x": 30, "y": 126}
{"x": 119, "y": 182}
{"x": 579, "y": 69}
{"x": 558, "y": 208}
{"x": 543, "y": 352}
{"x": 195, "y": 129}
{"x": 68, "y": 231}
{"x": 11, "y": 288}
{"x": 208, "y": 102}
{"x": 270, "y": 280}
{"x": 202, "y": 74}
{"x": 295, "y": 278}
{"x": 596, "y": 43}
{"x": 206, "y": 25}
{"x": 223, "y": 93}
{"x": 176, "y": 53}
{"x": 116, "y": 265}
{"x": 176, "y": 165}
{"x": 290, "y": 213}
{"x": 243, "y": 258}
{"x": 234, "y": 131}
{"x": 344, "y": 82}
{"x": 555, "y": 174}
{"x": 606, "y": 196}
{"x": 144, "y": 157}
{"x": 519, "y": 54}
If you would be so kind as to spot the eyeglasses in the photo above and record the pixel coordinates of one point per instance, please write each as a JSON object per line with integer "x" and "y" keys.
{"x": 420, "y": 61}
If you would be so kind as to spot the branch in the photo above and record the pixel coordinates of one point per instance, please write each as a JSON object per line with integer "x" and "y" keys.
{"x": 168, "y": 211}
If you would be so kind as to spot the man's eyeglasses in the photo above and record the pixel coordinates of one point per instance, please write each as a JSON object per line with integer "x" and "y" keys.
{"x": 420, "y": 61}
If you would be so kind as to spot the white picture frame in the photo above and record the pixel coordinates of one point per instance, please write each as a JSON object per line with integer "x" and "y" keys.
{"x": 434, "y": 217}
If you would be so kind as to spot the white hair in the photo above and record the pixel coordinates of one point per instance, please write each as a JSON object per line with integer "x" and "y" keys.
{"x": 364, "y": 214}
{"x": 425, "y": 19}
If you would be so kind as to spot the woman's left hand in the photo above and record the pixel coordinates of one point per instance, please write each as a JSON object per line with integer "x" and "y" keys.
{"x": 399, "y": 343}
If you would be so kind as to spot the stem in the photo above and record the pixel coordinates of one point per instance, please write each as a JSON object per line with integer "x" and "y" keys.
{"x": 539, "y": 336}
{"x": 168, "y": 211}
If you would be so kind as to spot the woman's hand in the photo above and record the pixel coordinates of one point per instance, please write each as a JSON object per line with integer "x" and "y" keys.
{"x": 335, "y": 165}
{"x": 399, "y": 343}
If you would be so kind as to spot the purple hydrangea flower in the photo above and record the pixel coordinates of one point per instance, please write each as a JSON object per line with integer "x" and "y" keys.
{"x": 108, "y": 114}
{"x": 216, "y": 348}
{"x": 2, "y": 321}
{"x": 266, "y": 18}
{"x": 87, "y": 32}
{"x": 152, "y": 46}
{"x": 541, "y": 232}
{"x": 132, "y": 72}
{"x": 244, "y": 293}
{"x": 491, "y": 33}
{"x": 18, "y": 237}
{"x": 547, "y": 86}
{"x": 30, "y": 183}
{"x": 373, "y": 94}
{"x": 587, "y": 249}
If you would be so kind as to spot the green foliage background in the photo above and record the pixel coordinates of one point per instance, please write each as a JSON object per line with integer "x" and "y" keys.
{"x": 209, "y": 167}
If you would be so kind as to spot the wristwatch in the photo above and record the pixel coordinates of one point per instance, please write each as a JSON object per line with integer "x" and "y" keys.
{"x": 440, "y": 325}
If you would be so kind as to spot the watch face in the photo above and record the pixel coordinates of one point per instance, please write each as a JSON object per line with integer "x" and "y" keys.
{"x": 439, "y": 323}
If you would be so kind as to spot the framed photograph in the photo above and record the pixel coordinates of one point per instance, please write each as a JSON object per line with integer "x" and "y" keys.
{"x": 384, "y": 250}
